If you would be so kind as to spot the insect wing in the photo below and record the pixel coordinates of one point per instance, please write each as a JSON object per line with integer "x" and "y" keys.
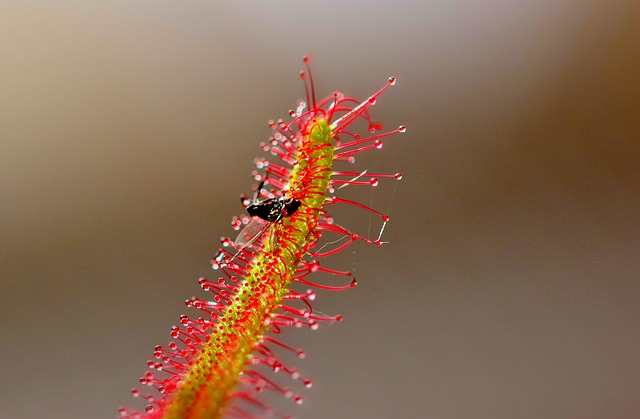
{"x": 251, "y": 233}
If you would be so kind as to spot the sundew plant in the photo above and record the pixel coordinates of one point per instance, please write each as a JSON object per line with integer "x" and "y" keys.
{"x": 222, "y": 358}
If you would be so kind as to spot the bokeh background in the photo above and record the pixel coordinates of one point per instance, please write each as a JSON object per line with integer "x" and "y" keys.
{"x": 510, "y": 287}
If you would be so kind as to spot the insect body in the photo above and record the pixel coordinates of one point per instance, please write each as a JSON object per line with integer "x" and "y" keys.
{"x": 266, "y": 213}
{"x": 274, "y": 209}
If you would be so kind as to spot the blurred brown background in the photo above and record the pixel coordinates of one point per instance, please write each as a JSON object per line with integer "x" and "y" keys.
{"x": 510, "y": 288}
